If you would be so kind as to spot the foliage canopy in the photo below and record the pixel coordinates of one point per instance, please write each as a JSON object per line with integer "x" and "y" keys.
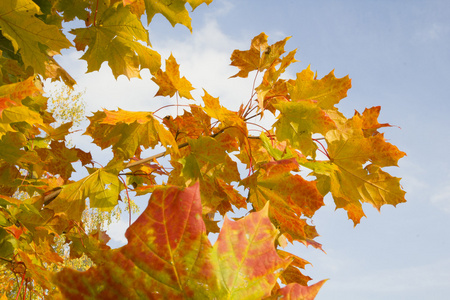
{"x": 168, "y": 254}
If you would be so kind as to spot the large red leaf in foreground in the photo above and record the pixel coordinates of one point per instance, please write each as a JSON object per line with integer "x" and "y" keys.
{"x": 168, "y": 256}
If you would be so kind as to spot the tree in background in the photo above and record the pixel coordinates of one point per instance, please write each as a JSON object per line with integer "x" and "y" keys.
{"x": 67, "y": 105}
{"x": 168, "y": 254}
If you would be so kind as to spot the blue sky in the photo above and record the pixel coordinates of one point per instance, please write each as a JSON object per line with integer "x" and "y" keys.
{"x": 398, "y": 56}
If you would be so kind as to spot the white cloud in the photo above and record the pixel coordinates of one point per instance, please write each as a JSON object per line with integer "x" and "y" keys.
{"x": 204, "y": 60}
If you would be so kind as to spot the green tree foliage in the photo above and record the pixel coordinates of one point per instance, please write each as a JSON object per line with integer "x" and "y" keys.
{"x": 168, "y": 254}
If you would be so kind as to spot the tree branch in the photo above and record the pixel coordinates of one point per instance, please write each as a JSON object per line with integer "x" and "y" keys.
{"x": 50, "y": 197}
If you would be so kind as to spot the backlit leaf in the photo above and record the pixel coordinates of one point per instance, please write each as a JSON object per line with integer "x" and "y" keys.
{"x": 259, "y": 57}
{"x": 126, "y": 131}
{"x": 292, "y": 274}
{"x": 249, "y": 265}
{"x": 226, "y": 117}
{"x": 290, "y": 196}
{"x": 170, "y": 82}
{"x": 327, "y": 91}
{"x": 209, "y": 163}
{"x": 72, "y": 9}
{"x": 354, "y": 175}
{"x": 58, "y": 158}
{"x": 12, "y": 94}
{"x": 167, "y": 255}
{"x": 19, "y": 23}
{"x": 299, "y": 292}
{"x": 173, "y": 10}
{"x": 298, "y": 121}
{"x": 116, "y": 39}
{"x": 101, "y": 187}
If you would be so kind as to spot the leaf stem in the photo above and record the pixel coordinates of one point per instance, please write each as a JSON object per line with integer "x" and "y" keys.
{"x": 21, "y": 285}
{"x": 128, "y": 198}
{"x": 95, "y": 14}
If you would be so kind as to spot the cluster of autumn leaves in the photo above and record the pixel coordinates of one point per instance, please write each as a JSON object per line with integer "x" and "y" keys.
{"x": 168, "y": 254}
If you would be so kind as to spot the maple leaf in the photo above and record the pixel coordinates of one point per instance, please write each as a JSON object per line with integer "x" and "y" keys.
{"x": 12, "y": 94}
{"x": 19, "y": 24}
{"x": 369, "y": 120}
{"x": 42, "y": 243}
{"x": 189, "y": 125}
{"x": 126, "y": 131}
{"x": 347, "y": 176}
{"x": 137, "y": 7}
{"x": 116, "y": 39}
{"x": 254, "y": 153}
{"x": 208, "y": 157}
{"x": 290, "y": 196}
{"x": 93, "y": 245}
{"x": 298, "y": 291}
{"x": 7, "y": 244}
{"x": 327, "y": 91}
{"x": 54, "y": 71}
{"x": 170, "y": 82}
{"x": 275, "y": 149}
{"x": 247, "y": 268}
{"x": 298, "y": 121}
{"x": 101, "y": 187}
{"x": 11, "y": 150}
{"x": 272, "y": 89}
{"x": 209, "y": 162}
{"x": 72, "y": 9}
{"x": 292, "y": 273}
{"x": 168, "y": 254}
{"x": 58, "y": 158}
{"x": 8, "y": 172}
{"x": 17, "y": 114}
{"x": 38, "y": 273}
{"x": 259, "y": 57}
{"x": 174, "y": 10}
{"x": 226, "y": 117}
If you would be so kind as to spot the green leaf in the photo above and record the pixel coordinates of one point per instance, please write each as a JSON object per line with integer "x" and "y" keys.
{"x": 174, "y": 10}
{"x": 7, "y": 244}
{"x": 209, "y": 163}
{"x": 276, "y": 153}
{"x": 72, "y": 9}
{"x": 116, "y": 39}
{"x": 298, "y": 121}
{"x": 101, "y": 187}
{"x": 126, "y": 131}
{"x": 27, "y": 33}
